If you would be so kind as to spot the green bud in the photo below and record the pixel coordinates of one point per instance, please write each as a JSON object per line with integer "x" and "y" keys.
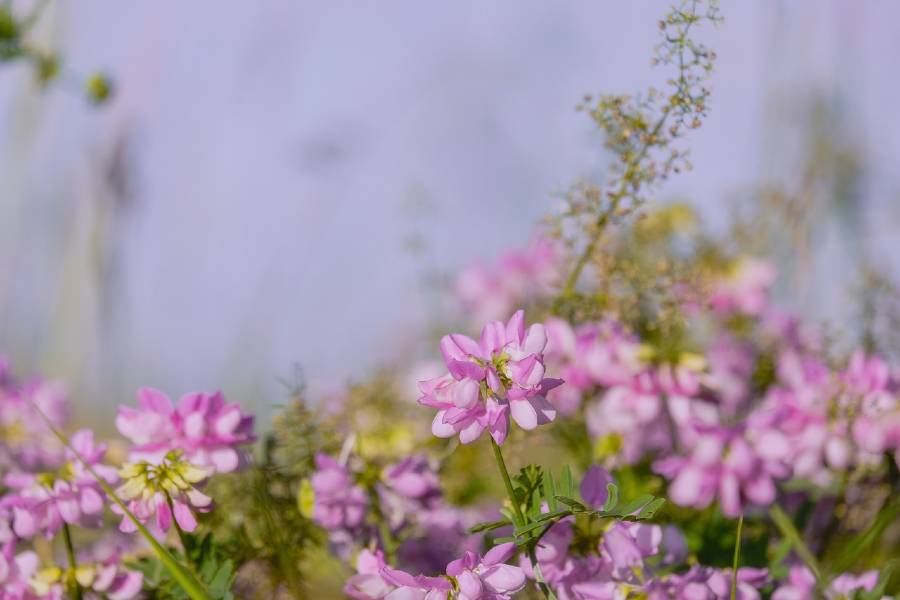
{"x": 9, "y": 28}
{"x": 47, "y": 68}
{"x": 99, "y": 88}
{"x": 306, "y": 499}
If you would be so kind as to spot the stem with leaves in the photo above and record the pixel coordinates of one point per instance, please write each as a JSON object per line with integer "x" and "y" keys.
{"x": 790, "y": 533}
{"x": 519, "y": 520}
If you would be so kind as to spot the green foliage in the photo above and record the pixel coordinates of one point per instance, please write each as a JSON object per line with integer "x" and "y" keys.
{"x": 209, "y": 561}
{"x": 264, "y": 524}
{"x": 536, "y": 488}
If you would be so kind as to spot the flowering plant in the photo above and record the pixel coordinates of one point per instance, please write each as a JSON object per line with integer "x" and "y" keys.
{"x": 696, "y": 440}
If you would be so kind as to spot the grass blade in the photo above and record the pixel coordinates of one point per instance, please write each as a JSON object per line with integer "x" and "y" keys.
{"x": 737, "y": 554}
{"x": 787, "y": 529}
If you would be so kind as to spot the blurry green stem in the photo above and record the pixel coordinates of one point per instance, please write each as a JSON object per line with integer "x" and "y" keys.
{"x": 501, "y": 464}
{"x": 610, "y": 212}
{"x": 737, "y": 554}
{"x": 786, "y": 526}
{"x": 70, "y": 553}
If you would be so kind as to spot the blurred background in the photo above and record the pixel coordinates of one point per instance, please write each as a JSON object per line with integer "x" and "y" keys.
{"x": 289, "y": 183}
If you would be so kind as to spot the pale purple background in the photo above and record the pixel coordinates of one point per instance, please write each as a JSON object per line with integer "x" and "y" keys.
{"x": 281, "y": 153}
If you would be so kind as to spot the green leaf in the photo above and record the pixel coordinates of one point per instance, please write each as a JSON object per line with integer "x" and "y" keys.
{"x": 503, "y": 540}
{"x": 550, "y": 491}
{"x": 631, "y": 507}
{"x": 649, "y": 511}
{"x": 530, "y": 527}
{"x": 789, "y": 532}
{"x": 553, "y": 515}
{"x": 566, "y": 488}
{"x": 571, "y": 502}
{"x": 489, "y": 526}
{"x": 612, "y": 497}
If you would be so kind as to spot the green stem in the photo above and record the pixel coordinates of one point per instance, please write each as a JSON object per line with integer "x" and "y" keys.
{"x": 786, "y": 526}
{"x": 538, "y": 576}
{"x": 737, "y": 554}
{"x": 73, "y": 565}
{"x": 501, "y": 464}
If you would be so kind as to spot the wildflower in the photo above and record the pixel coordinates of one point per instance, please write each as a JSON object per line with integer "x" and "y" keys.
{"x": 501, "y": 376}
{"x": 164, "y": 490}
{"x": 721, "y": 464}
{"x": 44, "y": 502}
{"x": 108, "y": 579}
{"x": 489, "y": 291}
{"x": 368, "y": 583}
{"x": 207, "y": 429}
{"x": 25, "y": 440}
{"x": 745, "y": 289}
{"x": 408, "y": 489}
{"x": 16, "y": 572}
{"x": 801, "y": 583}
{"x": 488, "y": 576}
{"x": 338, "y": 502}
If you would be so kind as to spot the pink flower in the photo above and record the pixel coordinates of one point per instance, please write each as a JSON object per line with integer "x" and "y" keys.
{"x": 25, "y": 440}
{"x": 801, "y": 584}
{"x": 368, "y": 584}
{"x": 163, "y": 490}
{"x": 487, "y": 577}
{"x": 339, "y": 503}
{"x": 594, "y": 484}
{"x": 468, "y": 578}
{"x": 500, "y": 376}
{"x": 723, "y": 465}
{"x": 489, "y": 291}
{"x": 746, "y": 289}
{"x": 207, "y": 429}
{"x": 43, "y": 502}
{"x": 16, "y": 572}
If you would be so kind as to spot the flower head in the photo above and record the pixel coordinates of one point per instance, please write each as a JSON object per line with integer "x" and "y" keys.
{"x": 42, "y": 502}
{"x": 207, "y": 429}
{"x": 163, "y": 489}
{"x": 499, "y": 377}
{"x": 339, "y": 502}
{"x": 25, "y": 440}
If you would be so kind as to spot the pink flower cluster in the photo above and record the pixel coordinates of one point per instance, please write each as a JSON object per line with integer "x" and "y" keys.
{"x": 498, "y": 377}
{"x": 492, "y": 291}
{"x": 407, "y": 497}
{"x": 208, "y": 430}
{"x": 714, "y": 435}
{"x": 43, "y": 502}
{"x": 25, "y": 441}
{"x": 471, "y": 577}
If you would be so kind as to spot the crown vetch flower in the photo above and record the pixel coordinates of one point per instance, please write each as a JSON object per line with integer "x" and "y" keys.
{"x": 206, "y": 428}
{"x": 108, "y": 579}
{"x": 499, "y": 377}
{"x": 25, "y": 440}
{"x": 43, "y": 502}
{"x": 339, "y": 502}
{"x": 471, "y": 577}
{"x": 162, "y": 491}
{"x": 16, "y": 572}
